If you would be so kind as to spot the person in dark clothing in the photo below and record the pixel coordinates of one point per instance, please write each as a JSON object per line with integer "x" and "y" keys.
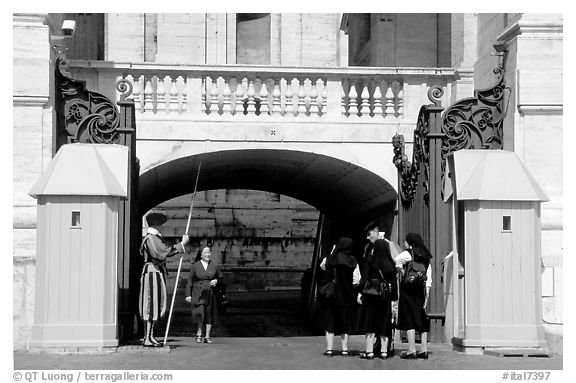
{"x": 339, "y": 265}
{"x": 376, "y": 312}
{"x": 414, "y": 297}
{"x": 203, "y": 278}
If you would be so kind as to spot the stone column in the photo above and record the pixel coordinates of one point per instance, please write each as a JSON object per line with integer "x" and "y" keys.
{"x": 130, "y": 47}
{"x": 215, "y": 38}
{"x": 464, "y": 46}
{"x": 534, "y": 73}
{"x": 291, "y": 39}
{"x": 32, "y": 145}
{"x": 181, "y": 38}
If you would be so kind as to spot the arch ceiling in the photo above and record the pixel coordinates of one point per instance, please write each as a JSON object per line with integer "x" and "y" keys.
{"x": 333, "y": 186}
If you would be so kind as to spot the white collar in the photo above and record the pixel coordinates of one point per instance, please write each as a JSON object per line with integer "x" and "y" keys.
{"x": 153, "y": 231}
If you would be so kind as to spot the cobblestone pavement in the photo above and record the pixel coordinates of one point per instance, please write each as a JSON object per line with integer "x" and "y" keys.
{"x": 273, "y": 353}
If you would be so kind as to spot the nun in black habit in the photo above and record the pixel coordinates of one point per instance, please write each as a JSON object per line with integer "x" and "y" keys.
{"x": 375, "y": 318}
{"x": 339, "y": 266}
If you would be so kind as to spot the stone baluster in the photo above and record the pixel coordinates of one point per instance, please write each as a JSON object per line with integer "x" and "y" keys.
{"x": 399, "y": 92}
{"x": 276, "y": 103}
{"x": 288, "y": 110}
{"x": 160, "y": 95}
{"x": 301, "y": 110}
{"x": 389, "y": 101}
{"x": 353, "y": 102}
{"x": 323, "y": 94}
{"x": 214, "y": 107}
{"x": 251, "y": 108}
{"x": 137, "y": 94}
{"x": 184, "y": 94}
{"x": 264, "y": 107}
{"x": 173, "y": 107}
{"x": 364, "y": 108}
{"x": 343, "y": 102}
{"x": 378, "y": 111}
{"x": 226, "y": 94}
{"x": 204, "y": 95}
{"x": 148, "y": 101}
{"x": 314, "y": 108}
{"x": 239, "y": 95}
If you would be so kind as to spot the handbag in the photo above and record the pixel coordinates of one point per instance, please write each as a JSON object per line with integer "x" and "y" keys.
{"x": 327, "y": 288}
{"x": 376, "y": 287}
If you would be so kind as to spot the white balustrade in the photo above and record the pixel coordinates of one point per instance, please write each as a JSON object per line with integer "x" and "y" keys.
{"x": 219, "y": 92}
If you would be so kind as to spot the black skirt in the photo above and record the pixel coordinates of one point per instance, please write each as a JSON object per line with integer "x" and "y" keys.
{"x": 338, "y": 319}
{"x": 375, "y": 315}
{"x": 411, "y": 313}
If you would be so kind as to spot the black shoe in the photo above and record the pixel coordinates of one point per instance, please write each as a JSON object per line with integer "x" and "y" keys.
{"x": 422, "y": 355}
{"x": 345, "y": 353}
{"x": 329, "y": 353}
{"x": 383, "y": 355}
{"x": 367, "y": 355}
{"x": 408, "y": 355}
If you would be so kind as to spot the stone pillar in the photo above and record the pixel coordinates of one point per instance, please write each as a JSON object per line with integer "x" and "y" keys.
{"x": 230, "y": 38}
{"x": 291, "y": 39}
{"x": 463, "y": 55}
{"x": 275, "y": 39}
{"x": 181, "y": 38}
{"x": 215, "y": 38}
{"x": 131, "y": 46}
{"x": 32, "y": 146}
{"x": 534, "y": 73}
{"x": 319, "y": 39}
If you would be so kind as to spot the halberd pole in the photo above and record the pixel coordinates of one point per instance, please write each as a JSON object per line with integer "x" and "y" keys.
{"x": 182, "y": 256}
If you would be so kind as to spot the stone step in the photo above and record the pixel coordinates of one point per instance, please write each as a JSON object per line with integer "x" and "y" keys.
{"x": 539, "y": 352}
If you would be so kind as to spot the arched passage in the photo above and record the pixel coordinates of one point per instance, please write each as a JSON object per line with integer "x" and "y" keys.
{"x": 337, "y": 188}
{"x": 346, "y": 193}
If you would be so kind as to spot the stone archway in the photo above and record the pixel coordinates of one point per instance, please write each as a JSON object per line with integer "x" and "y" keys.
{"x": 346, "y": 193}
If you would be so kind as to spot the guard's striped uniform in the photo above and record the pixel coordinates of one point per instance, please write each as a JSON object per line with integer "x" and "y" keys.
{"x": 152, "y": 297}
{"x": 152, "y": 304}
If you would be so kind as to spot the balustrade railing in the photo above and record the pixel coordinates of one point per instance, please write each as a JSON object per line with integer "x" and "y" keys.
{"x": 261, "y": 92}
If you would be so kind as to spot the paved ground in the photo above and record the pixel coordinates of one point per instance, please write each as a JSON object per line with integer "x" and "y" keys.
{"x": 265, "y": 331}
{"x": 297, "y": 353}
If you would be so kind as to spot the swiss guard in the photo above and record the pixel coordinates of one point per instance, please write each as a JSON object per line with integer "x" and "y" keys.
{"x": 154, "y": 250}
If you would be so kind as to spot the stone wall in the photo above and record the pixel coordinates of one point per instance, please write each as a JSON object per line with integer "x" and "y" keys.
{"x": 533, "y": 125}
{"x": 295, "y": 39}
{"x": 261, "y": 240}
{"x": 32, "y": 150}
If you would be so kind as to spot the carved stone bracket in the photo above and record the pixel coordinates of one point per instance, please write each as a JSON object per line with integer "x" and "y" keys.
{"x": 475, "y": 122}
{"x": 83, "y": 115}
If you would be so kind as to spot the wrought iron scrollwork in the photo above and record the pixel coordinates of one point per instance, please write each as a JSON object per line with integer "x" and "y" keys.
{"x": 476, "y": 122}
{"x": 83, "y": 115}
{"x": 410, "y": 172}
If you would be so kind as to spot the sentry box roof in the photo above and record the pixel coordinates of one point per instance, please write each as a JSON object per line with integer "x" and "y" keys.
{"x": 491, "y": 175}
{"x": 85, "y": 169}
